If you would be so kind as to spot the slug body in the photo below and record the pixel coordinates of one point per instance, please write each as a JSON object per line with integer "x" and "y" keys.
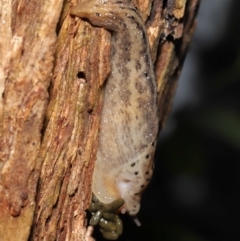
{"x": 129, "y": 121}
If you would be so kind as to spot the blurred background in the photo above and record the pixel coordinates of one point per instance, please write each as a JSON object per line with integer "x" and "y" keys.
{"x": 195, "y": 191}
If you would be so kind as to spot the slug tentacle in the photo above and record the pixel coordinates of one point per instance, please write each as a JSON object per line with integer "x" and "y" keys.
{"x": 129, "y": 121}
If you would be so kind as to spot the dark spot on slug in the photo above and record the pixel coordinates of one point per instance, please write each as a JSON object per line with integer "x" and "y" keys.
{"x": 113, "y": 50}
{"x": 126, "y": 180}
{"x": 147, "y": 173}
{"x": 139, "y": 87}
{"x": 142, "y": 186}
{"x": 153, "y": 144}
{"x": 135, "y": 173}
{"x": 98, "y": 14}
{"x": 81, "y": 75}
{"x": 148, "y": 179}
{"x": 138, "y": 65}
{"x": 125, "y": 96}
{"x": 131, "y": 17}
{"x": 122, "y": 23}
{"x": 145, "y": 74}
{"x": 145, "y": 38}
{"x": 146, "y": 57}
{"x": 133, "y": 164}
{"x": 147, "y": 156}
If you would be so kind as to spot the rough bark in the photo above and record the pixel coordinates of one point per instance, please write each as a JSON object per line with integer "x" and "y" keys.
{"x": 52, "y": 70}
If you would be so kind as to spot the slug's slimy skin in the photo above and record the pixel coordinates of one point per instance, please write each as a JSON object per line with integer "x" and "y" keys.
{"x": 129, "y": 121}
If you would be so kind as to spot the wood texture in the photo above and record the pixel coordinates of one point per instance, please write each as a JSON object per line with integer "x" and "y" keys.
{"x": 27, "y": 33}
{"x": 51, "y": 102}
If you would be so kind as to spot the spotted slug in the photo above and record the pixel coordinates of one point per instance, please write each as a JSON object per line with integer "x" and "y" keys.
{"x": 129, "y": 119}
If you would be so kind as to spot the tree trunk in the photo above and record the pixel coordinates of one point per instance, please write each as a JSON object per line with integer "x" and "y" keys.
{"x": 51, "y": 97}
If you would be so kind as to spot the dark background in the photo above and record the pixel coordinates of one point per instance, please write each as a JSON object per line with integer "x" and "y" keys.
{"x": 195, "y": 191}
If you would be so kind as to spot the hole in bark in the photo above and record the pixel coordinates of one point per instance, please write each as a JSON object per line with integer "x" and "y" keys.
{"x": 81, "y": 75}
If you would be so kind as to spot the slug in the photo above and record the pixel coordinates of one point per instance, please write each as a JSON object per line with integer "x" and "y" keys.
{"x": 129, "y": 119}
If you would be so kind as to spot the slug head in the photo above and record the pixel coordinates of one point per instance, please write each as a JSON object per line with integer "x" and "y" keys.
{"x": 100, "y": 13}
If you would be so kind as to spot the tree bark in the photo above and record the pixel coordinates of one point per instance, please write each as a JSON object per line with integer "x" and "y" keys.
{"x": 52, "y": 70}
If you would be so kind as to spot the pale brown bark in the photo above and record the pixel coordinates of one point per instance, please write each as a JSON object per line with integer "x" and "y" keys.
{"x": 48, "y": 135}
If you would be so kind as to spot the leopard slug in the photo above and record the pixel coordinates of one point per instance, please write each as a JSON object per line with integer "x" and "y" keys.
{"x": 129, "y": 120}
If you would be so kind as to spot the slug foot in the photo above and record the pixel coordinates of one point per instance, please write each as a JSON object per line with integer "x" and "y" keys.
{"x": 105, "y": 216}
